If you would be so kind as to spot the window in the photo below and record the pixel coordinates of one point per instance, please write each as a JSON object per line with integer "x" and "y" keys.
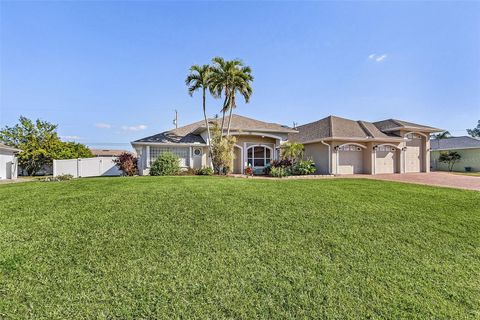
{"x": 411, "y": 136}
{"x": 182, "y": 153}
{"x": 259, "y": 156}
{"x": 349, "y": 148}
{"x": 385, "y": 148}
{"x": 197, "y": 152}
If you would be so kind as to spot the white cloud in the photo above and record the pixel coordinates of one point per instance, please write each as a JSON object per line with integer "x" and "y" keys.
{"x": 70, "y": 137}
{"x": 140, "y": 127}
{"x": 377, "y": 57}
{"x": 102, "y": 125}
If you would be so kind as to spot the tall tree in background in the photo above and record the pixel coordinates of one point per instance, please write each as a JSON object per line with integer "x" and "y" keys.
{"x": 475, "y": 132}
{"x": 199, "y": 79}
{"x": 228, "y": 79}
{"x": 40, "y": 144}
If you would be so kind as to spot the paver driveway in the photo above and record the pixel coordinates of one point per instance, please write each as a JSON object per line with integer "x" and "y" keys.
{"x": 443, "y": 179}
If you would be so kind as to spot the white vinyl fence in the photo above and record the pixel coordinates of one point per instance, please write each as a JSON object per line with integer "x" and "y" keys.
{"x": 86, "y": 167}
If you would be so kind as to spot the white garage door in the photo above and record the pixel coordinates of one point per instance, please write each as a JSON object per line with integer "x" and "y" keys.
{"x": 385, "y": 160}
{"x": 413, "y": 154}
{"x": 350, "y": 160}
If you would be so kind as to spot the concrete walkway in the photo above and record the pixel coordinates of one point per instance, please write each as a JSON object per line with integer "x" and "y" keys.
{"x": 442, "y": 179}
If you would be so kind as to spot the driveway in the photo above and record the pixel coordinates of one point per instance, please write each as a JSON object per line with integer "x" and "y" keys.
{"x": 442, "y": 179}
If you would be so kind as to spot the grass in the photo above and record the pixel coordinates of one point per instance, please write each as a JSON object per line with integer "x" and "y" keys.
{"x": 473, "y": 174}
{"x": 208, "y": 247}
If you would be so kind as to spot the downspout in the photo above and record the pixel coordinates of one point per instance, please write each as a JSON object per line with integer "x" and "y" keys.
{"x": 329, "y": 156}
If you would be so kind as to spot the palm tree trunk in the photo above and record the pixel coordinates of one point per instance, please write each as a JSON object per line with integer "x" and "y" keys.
{"x": 229, "y": 120}
{"x": 208, "y": 128}
{"x": 224, "y": 108}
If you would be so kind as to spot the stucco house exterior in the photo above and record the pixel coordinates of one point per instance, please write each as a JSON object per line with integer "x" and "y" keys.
{"x": 344, "y": 146}
{"x": 467, "y": 147}
{"x": 336, "y": 145}
{"x": 8, "y": 162}
{"x": 257, "y": 143}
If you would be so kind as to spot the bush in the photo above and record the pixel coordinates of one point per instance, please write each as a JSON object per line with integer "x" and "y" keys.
{"x": 167, "y": 164}
{"x": 205, "y": 171}
{"x": 62, "y": 177}
{"x": 304, "y": 167}
{"x": 127, "y": 163}
{"x": 279, "y": 172}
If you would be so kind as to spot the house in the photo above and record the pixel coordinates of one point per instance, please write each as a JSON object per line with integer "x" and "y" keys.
{"x": 257, "y": 143}
{"x": 8, "y": 162}
{"x": 343, "y": 146}
{"x": 107, "y": 152}
{"x": 336, "y": 145}
{"x": 467, "y": 147}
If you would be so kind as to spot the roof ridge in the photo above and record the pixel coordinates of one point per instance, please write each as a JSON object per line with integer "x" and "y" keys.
{"x": 364, "y": 127}
{"x": 330, "y": 133}
{"x": 398, "y": 122}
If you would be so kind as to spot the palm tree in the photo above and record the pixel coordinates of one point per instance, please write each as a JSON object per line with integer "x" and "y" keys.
{"x": 440, "y": 136}
{"x": 229, "y": 78}
{"x": 292, "y": 151}
{"x": 199, "y": 78}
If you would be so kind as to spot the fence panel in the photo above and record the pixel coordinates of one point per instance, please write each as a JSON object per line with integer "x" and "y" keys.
{"x": 86, "y": 167}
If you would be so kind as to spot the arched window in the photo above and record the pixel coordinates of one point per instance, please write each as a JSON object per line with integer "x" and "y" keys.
{"x": 259, "y": 156}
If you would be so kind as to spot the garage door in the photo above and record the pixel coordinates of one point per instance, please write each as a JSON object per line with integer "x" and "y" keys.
{"x": 413, "y": 160}
{"x": 385, "y": 160}
{"x": 350, "y": 160}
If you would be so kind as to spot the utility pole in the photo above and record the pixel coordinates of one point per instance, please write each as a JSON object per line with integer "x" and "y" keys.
{"x": 175, "y": 121}
{"x": 295, "y": 124}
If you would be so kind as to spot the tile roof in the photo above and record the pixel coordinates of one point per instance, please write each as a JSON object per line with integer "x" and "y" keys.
{"x": 453, "y": 143}
{"x": 5, "y": 147}
{"x": 392, "y": 124}
{"x": 190, "y": 132}
{"x": 106, "y": 152}
{"x": 336, "y": 127}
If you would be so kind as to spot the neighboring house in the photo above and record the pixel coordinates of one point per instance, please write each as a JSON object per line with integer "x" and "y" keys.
{"x": 257, "y": 143}
{"x": 467, "y": 147}
{"x": 343, "y": 146}
{"x": 8, "y": 162}
{"x": 336, "y": 145}
{"x": 106, "y": 152}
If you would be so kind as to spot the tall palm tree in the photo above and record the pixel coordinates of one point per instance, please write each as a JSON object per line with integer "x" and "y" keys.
{"x": 199, "y": 78}
{"x": 228, "y": 79}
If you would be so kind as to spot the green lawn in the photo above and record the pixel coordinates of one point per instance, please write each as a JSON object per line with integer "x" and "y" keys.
{"x": 208, "y": 247}
{"x": 473, "y": 174}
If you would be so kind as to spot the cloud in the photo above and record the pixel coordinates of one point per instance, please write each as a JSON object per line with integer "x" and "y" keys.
{"x": 377, "y": 57}
{"x": 140, "y": 127}
{"x": 70, "y": 137}
{"x": 102, "y": 125}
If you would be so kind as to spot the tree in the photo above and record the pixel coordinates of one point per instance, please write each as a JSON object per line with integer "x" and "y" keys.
{"x": 449, "y": 158}
{"x": 40, "y": 144}
{"x": 222, "y": 150}
{"x": 292, "y": 151}
{"x": 72, "y": 150}
{"x": 199, "y": 78}
{"x": 475, "y": 132}
{"x": 229, "y": 78}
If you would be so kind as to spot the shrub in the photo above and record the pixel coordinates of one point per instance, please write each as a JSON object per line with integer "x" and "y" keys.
{"x": 222, "y": 151}
{"x": 449, "y": 157}
{"x": 127, "y": 163}
{"x": 304, "y": 167}
{"x": 62, "y": 177}
{"x": 167, "y": 164}
{"x": 279, "y": 172}
{"x": 205, "y": 171}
